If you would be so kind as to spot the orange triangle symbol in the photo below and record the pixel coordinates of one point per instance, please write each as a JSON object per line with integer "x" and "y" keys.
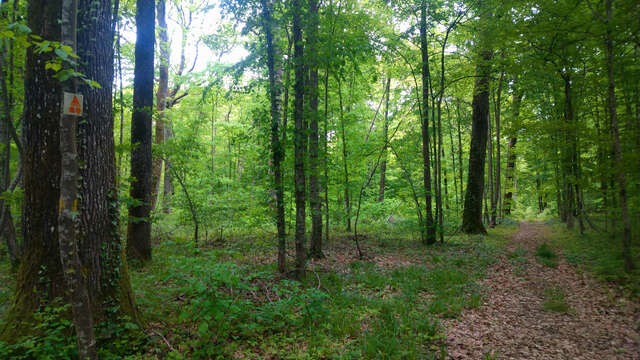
{"x": 75, "y": 106}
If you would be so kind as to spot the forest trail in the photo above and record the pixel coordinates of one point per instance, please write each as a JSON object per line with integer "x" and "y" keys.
{"x": 512, "y": 322}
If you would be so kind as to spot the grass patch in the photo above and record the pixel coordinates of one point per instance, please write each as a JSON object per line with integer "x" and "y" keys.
{"x": 555, "y": 300}
{"x": 600, "y": 255}
{"x": 225, "y": 300}
{"x": 546, "y": 256}
{"x": 518, "y": 259}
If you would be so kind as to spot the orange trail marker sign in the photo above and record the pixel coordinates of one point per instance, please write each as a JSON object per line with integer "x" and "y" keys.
{"x": 72, "y": 104}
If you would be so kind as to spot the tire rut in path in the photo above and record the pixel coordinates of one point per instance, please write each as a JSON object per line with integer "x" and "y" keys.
{"x": 512, "y": 323}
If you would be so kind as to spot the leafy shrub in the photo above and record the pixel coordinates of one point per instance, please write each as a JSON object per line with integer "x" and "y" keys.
{"x": 54, "y": 337}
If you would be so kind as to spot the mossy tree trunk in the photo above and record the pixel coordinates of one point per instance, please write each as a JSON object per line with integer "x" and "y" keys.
{"x": 40, "y": 278}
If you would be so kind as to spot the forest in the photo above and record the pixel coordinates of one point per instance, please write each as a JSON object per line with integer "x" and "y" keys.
{"x": 319, "y": 179}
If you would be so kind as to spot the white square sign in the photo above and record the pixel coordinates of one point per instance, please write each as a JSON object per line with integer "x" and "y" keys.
{"x": 72, "y": 104}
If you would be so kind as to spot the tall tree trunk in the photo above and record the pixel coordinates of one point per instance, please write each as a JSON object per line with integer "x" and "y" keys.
{"x": 453, "y": 163}
{"x": 300, "y": 143}
{"x": 139, "y": 228}
{"x": 498, "y": 164}
{"x": 101, "y": 248}
{"x": 275, "y": 88}
{"x": 6, "y": 123}
{"x": 430, "y": 231}
{"x": 622, "y": 182}
{"x": 472, "y": 214}
{"x": 168, "y": 188}
{"x": 461, "y": 173}
{"x": 345, "y": 153}
{"x": 385, "y": 134}
{"x": 491, "y": 221}
{"x": 100, "y": 251}
{"x": 511, "y": 154}
{"x": 325, "y": 159}
{"x": 315, "y": 250}
{"x": 69, "y": 255}
{"x": 41, "y": 258}
{"x": 161, "y": 97}
{"x": 569, "y": 151}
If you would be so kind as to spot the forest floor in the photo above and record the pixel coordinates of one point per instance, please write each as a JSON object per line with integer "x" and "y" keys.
{"x": 524, "y": 291}
{"x": 540, "y": 307}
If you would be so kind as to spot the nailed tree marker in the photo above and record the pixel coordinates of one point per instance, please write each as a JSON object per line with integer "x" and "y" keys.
{"x": 72, "y": 104}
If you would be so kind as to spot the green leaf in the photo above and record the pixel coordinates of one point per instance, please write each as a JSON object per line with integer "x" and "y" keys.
{"x": 62, "y": 54}
{"x": 203, "y": 328}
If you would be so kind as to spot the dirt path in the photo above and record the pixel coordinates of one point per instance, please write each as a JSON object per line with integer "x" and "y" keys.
{"x": 513, "y": 324}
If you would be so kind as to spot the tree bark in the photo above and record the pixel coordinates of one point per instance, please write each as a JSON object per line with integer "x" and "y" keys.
{"x": 621, "y": 175}
{"x": 385, "y": 134}
{"x": 345, "y": 154}
{"x": 40, "y": 276}
{"x": 491, "y": 221}
{"x": 472, "y": 214}
{"x": 139, "y": 228}
{"x": 300, "y": 143}
{"x": 69, "y": 254}
{"x": 101, "y": 247}
{"x": 511, "y": 155}
{"x": 161, "y": 98}
{"x": 568, "y": 163}
{"x": 430, "y": 231}
{"x": 498, "y": 164}
{"x": 315, "y": 250}
{"x": 275, "y": 88}
{"x": 7, "y": 227}
{"x": 41, "y": 259}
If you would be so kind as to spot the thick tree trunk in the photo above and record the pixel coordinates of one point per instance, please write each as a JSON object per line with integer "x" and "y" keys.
{"x": 385, "y": 134}
{"x": 41, "y": 259}
{"x": 429, "y": 231}
{"x": 315, "y": 250}
{"x": 100, "y": 251}
{"x": 472, "y": 214}
{"x": 161, "y": 98}
{"x": 275, "y": 88}
{"x": 300, "y": 143}
{"x": 69, "y": 256}
{"x": 139, "y": 228}
{"x": 108, "y": 278}
{"x": 621, "y": 175}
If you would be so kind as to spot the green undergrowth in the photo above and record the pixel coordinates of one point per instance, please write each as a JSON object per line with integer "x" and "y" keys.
{"x": 226, "y": 301}
{"x": 600, "y": 254}
{"x": 53, "y": 337}
{"x": 6, "y": 284}
{"x": 546, "y": 256}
